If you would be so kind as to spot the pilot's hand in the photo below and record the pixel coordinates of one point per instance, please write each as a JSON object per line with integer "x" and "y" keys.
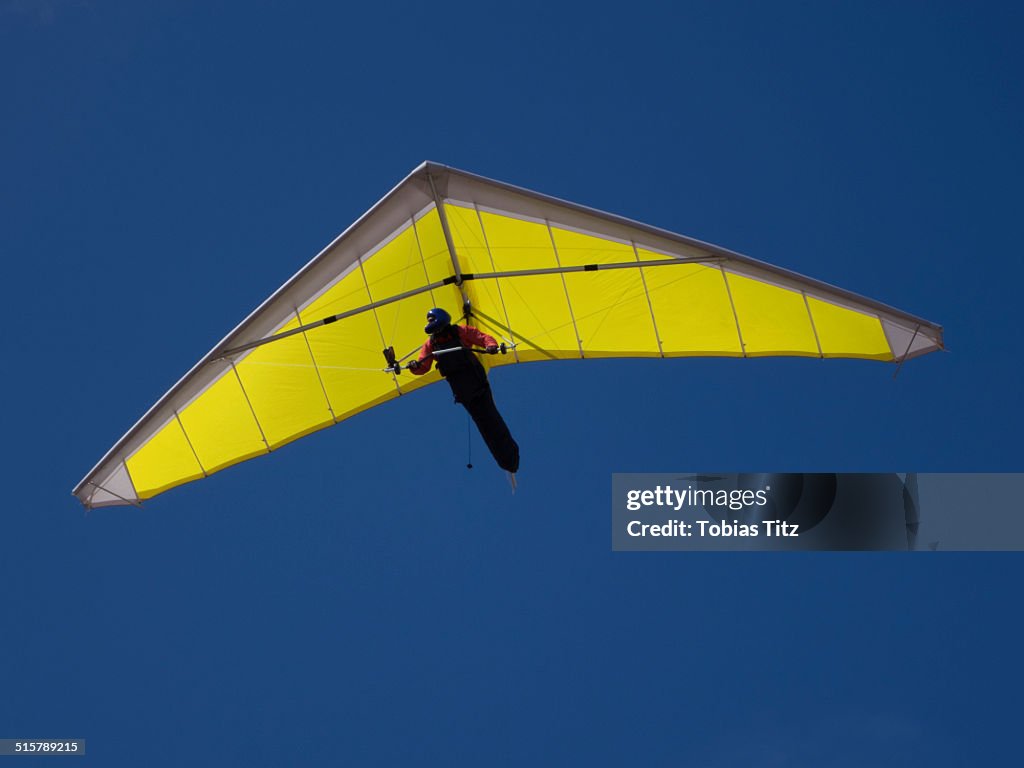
{"x": 414, "y": 365}
{"x": 492, "y": 350}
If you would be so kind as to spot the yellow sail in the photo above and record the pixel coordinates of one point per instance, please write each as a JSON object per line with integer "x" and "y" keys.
{"x": 544, "y": 275}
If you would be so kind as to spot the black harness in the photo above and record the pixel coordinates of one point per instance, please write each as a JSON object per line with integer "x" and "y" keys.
{"x": 467, "y": 377}
{"x": 463, "y": 371}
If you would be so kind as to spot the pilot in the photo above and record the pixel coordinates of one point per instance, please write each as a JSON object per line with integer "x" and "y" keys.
{"x": 450, "y": 346}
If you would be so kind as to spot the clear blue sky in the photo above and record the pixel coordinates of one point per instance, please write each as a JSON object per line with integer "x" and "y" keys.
{"x": 359, "y": 597}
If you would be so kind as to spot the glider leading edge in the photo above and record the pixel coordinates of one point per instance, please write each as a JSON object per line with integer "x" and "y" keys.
{"x": 537, "y": 273}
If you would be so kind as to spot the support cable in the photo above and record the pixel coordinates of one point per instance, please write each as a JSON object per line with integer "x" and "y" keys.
{"x": 904, "y": 358}
{"x": 821, "y": 353}
{"x": 177, "y": 418}
{"x": 98, "y": 487}
{"x": 650, "y": 305}
{"x": 736, "y": 317}
{"x": 252, "y": 410}
{"x": 497, "y": 324}
{"x": 443, "y": 216}
{"x": 316, "y": 368}
{"x": 497, "y": 282}
{"x": 568, "y": 301}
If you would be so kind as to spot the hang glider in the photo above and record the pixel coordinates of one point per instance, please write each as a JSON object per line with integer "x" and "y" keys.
{"x": 542, "y": 274}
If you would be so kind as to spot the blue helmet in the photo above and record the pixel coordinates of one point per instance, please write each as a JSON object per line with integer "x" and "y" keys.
{"x": 437, "y": 320}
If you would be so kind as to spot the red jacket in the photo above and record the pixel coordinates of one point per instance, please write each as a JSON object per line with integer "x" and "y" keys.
{"x": 468, "y": 335}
